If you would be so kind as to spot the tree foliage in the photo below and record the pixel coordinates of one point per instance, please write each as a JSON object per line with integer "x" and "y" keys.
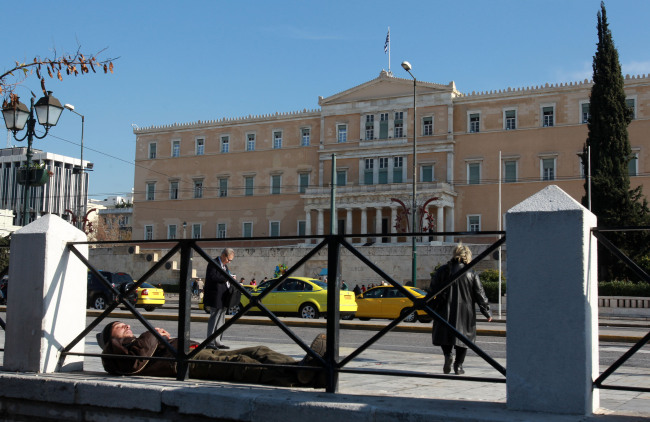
{"x": 55, "y": 67}
{"x": 612, "y": 200}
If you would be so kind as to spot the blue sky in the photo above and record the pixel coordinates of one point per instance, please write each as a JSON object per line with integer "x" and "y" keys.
{"x": 201, "y": 60}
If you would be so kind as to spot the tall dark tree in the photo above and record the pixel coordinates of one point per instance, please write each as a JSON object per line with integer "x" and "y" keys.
{"x": 612, "y": 200}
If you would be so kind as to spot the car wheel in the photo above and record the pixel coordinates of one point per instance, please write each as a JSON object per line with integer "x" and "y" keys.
{"x": 347, "y": 317}
{"x": 149, "y": 308}
{"x": 308, "y": 311}
{"x": 364, "y": 319}
{"x": 425, "y": 319}
{"x": 99, "y": 302}
{"x": 410, "y": 318}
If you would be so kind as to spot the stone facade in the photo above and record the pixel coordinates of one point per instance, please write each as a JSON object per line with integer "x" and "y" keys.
{"x": 271, "y": 175}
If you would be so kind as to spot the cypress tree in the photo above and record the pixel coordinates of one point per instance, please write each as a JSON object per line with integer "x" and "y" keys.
{"x": 612, "y": 200}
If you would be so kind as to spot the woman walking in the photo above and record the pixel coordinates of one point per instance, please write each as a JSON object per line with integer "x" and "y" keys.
{"x": 456, "y": 304}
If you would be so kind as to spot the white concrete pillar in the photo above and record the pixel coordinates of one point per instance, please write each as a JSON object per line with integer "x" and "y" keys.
{"x": 320, "y": 222}
{"x": 348, "y": 223}
{"x": 364, "y": 224}
{"x": 47, "y": 297}
{"x": 393, "y": 219}
{"x": 440, "y": 220}
{"x": 308, "y": 226}
{"x": 449, "y": 223}
{"x": 378, "y": 224}
{"x": 552, "y": 343}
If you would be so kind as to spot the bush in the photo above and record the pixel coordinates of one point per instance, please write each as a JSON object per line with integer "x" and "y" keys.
{"x": 623, "y": 288}
{"x": 492, "y": 290}
{"x": 491, "y": 275}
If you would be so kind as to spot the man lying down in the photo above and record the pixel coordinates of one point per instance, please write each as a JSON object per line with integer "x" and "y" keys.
{"x": 118, "y": 339}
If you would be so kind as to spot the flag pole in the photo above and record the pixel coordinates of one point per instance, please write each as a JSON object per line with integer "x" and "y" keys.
{"x": 387, "y": 48}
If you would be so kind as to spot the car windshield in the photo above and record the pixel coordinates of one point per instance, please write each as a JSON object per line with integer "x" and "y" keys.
{"x": 422, "y": 292}
{"x": 146, "y": 285}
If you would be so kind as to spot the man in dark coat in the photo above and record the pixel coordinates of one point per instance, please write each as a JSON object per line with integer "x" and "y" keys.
{"x": 456, "y": 304}
{"x": 216, "y": 295}
{"x": 118, "y": 339}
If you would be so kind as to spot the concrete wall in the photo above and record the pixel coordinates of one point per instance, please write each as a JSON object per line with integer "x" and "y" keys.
{"x": 259, "y": 262}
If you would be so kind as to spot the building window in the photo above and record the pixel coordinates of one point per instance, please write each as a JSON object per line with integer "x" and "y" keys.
{"x": 370, "y": 127}
{"x": 304, "y": 182}
{"x": 277, "y": 139}
{"x": 173, "y": 189}
{"x": 474, "y": 122}
{"x": 171, "y": 231}
{"x": 274, "y": 228}
{"x": 148, "y": 232}
{"x": 302, "y": 228}
{"x": 510, "y": 118}
{"x": 152, "y": 150}
{"x": 341, "y": 177}
{"x": 342, "y": 133}
{"x": 398, "y": 167}
{"x": 200, "y": 146}
{"x": 305, "y": 136}
{"x": 176, "y": 148}
{"x": 249, "y": 184}
{"x": 368, "y": 175}
{"x": 584, "y": 112}
{"x": 247, "y": 229}
{"x": 198, "y": 188}
{"x": 510, "y": 171}
{"x": 547, "y": 115}
{"x": 383, "y": 126}
{"x": 276, "y": 182}
{"x": 399, "y": 124}
{"x": 474, "y": 223}
{"x": 633, "y": 164}
{"x": 631, "y": 104}
{"x": 196, "y": 231}
{"x": 473, "y": 173}
{"x": 221, "y": 230}
{"x": 250, "y": 142}
{"x": 383, "y": 171}
{"x": 225, "y": 144}
{"x": 548, "y": 168}
{"x": 427, "y": 173}
{"x": 427, "y": 126}
{"x": 223, "y": 187}
{"x": 151, "y": 191}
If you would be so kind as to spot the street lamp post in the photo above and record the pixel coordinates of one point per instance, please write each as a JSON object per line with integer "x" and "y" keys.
{"x": 16, "y": 115}
{"x": 81, "y": 211}
{"x": 407, "y": 66}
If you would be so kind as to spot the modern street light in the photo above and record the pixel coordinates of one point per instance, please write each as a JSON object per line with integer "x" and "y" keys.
{"x": 407, "y": 66}
{"x": 16, "y": 115}
{"x": 81, "y": 212}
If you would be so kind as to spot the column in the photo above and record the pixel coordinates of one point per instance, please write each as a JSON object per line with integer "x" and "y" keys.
{"x": 364, "y": 224}
{"x": 449, "y": 223}
{"x": 393, "y": 219}
{"x": 348, "y": 223}
{"x": 308, "y": 225}
{"x": 552, "y": 348}
{"x": 320, "y": 224}
{"x": 440, "y": 220}
{"x": 378, "y": 224}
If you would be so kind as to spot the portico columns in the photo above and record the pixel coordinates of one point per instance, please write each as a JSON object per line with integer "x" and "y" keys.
{"x": 348, "y": 222}
{"x": 440, "y": 222}
{"x": 449, "y": 222}
{"x": 364, "y": 225}
{"x": 320, "y": 222}
{"x": 378, "y": 224}
{"x": 393, "y": 219}
{"x": 308, "y": 226}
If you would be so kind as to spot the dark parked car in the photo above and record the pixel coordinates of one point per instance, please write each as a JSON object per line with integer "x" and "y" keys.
{"x": 99, "y": 296}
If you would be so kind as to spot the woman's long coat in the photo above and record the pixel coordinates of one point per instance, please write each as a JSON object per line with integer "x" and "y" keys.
{"x": 457, "y": 304}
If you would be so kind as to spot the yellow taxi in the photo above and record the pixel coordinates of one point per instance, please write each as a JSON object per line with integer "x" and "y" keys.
{"x": 302, "y": 296}
{"x": 389, "y": 302}
{"x": 150, "y": 297}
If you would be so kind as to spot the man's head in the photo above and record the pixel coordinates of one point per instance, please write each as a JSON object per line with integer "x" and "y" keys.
{"x": 227, "y": 255}
{"x": 463, "y": 254}
{"x": 115, "y": 329}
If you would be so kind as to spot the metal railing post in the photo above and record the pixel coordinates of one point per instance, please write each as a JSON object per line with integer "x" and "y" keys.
{"x": 184, "y": 310}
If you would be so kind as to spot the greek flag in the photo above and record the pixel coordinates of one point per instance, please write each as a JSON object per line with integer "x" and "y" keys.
{"x": 387, "y": 43}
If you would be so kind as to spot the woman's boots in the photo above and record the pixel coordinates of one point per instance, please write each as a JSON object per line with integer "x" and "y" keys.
{"x": 447, "y": 366}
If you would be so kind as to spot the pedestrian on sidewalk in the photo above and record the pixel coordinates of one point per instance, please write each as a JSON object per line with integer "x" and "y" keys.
{"x": 456, "y": 305}
{"x": 216, "y": 295}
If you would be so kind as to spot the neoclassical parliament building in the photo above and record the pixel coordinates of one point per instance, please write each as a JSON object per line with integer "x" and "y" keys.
{"x": 271, "y": 175}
